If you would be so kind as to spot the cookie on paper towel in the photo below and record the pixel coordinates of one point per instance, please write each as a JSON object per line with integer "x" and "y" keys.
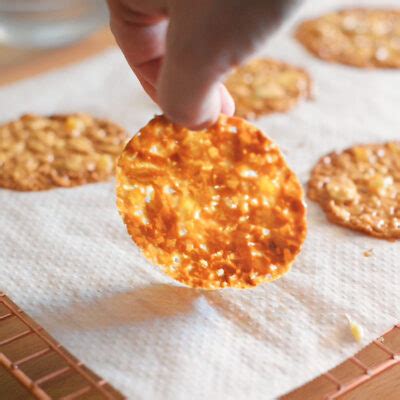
{"x": 266, "y": 86}
{"x": 213, "y": 208}
{"x": 40, "y": 153}
{"x": 365, "y": 38}
{"x": 359, "y": 188}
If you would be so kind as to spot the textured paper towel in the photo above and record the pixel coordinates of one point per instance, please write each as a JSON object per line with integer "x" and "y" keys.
{"x": 66, "y": 258}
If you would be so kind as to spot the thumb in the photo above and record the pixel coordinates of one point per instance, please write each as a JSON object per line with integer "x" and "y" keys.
{"x": 204, "y": 41}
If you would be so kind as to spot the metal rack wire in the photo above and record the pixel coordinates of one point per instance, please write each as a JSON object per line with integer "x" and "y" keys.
{"x": 368, "y": 372}
{"x": 25, "y": 327}
{"x": 390, "y": 358}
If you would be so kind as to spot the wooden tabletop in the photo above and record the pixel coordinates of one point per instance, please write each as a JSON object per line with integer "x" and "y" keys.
{"x": 19, "y": 64}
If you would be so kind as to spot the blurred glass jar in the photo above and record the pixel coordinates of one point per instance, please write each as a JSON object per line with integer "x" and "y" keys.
{"x": 49, "y": 23}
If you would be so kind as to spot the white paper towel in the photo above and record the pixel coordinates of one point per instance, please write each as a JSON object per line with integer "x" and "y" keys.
{"x": 66, "y": 258}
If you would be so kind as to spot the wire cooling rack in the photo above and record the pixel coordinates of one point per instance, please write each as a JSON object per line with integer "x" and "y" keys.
{"x": 370, "y": 363}
{"x": 41, "y": 365}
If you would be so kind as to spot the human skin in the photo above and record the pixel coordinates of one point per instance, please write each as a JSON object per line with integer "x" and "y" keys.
{"x": 181, "y": 50}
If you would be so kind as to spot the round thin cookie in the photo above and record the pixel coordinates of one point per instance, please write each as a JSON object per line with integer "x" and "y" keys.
{"x": 214, "y": 208}
{"x": 365, "y": 38}
{"x": 40, "y": 153}
{"x": 359, "y": 188}
{"x": 266, "y": 86}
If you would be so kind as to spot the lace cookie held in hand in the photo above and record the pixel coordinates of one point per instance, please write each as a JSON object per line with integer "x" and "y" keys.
{"x": 358, "y": 37}
{"x": 39, "y": 153}
{"x": 214, "y": 208}
{"x": 266, "y": 86}
{"x": 360, "y": 188}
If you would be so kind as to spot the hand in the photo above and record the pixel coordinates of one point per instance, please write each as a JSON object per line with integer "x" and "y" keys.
{"x": 181, "y": 50}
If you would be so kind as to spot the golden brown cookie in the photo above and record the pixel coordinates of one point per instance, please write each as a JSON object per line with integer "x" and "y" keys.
{"x": 364, "y": 38}
{"x": 360, "y": 188}
{"x": 39, "y": 153}
{"x": 265, "y": 86}
{"x": 214, "y": 208}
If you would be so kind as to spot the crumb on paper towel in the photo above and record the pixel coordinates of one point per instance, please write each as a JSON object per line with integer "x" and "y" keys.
{"x": 368, "y": 253}
{"x": 356, "y": 330}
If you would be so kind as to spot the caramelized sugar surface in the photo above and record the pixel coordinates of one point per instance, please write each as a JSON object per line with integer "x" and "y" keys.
{"x": 42, "y": 153}
{"x": 365, "y": 38}
{"x": 214, "y": 208}
{"x": 360, "y": 188}
{"x": 265, "y": 86}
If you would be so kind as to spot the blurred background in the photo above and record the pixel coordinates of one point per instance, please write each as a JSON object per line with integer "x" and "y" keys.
{"x": 36, "y": 35}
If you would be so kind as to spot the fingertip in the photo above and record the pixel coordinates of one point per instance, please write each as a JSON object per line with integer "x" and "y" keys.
{"x": 189, "y": 122}
{"x": 196, "y": 116}
{"x": 227, "y": 102}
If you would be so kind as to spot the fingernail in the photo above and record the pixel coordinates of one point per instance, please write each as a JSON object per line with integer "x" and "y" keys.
{"x": 227, "y": 102}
